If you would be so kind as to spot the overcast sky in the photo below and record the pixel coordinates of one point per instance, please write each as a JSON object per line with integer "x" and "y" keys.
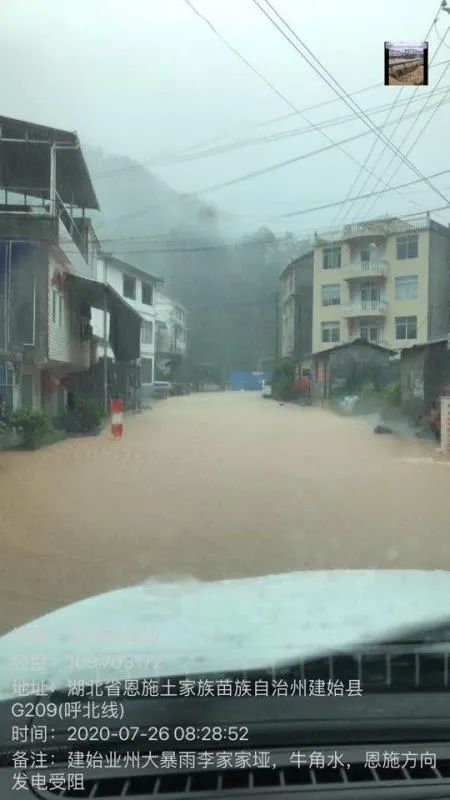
{"x": 148, "y": 78}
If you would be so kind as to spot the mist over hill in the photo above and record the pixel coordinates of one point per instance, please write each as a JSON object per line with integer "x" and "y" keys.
{"x": 227, "y": 277}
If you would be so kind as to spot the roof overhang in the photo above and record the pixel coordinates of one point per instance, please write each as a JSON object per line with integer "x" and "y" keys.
{"x": 349, "y": 345}
{"x": 25, "y": 162}
{"x": 124, "y": 266}
{"x": 125, "y": 322}
{"x": 425, "y": 345}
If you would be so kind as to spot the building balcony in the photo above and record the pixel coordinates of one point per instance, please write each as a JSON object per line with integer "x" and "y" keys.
{"x": 365, "y": 269}
{"x": 365, "y": 308}
{"x": 33, "y": 220}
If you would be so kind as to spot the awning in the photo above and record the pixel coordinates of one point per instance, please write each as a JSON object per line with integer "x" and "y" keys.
{"x": 125, "y": 322}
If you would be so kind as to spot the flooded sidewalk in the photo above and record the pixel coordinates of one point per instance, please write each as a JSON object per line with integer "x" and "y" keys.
{"x": 215, "y": 485}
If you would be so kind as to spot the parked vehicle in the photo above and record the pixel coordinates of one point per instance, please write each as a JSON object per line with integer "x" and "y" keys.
{"x": 178, "y": 389}
{"x": 161, "y": 389}
{"x": 249, "y": 381}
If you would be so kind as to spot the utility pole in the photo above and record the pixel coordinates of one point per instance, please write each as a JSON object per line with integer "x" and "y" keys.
{"x": 105, "y": 339}
{"x": 53, "y": 180}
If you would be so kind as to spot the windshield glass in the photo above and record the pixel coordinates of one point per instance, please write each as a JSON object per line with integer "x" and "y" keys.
{"x": 224, "y": 336}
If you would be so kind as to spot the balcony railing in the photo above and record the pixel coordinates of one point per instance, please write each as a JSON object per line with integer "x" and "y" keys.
{"x": 365, "y": 308}
{"x": 361, "y": 269}
{"x": 375, "y": 227}
{"x": 18, "y": 203}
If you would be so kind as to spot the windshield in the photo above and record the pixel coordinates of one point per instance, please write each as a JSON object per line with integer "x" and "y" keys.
{"x": 224, "y": 335}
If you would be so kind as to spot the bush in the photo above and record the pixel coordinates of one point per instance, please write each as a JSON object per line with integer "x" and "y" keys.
{"x": 33, "y": 426}
{"x": 84, "y": 417}
{"x": 391, "y": 394}
{"x": 89, "y": 412}
{"x": 368, "y": 391}
{"x": 283, "y": 381}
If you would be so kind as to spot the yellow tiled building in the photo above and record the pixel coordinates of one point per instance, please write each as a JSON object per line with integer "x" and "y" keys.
{"x": 387, "y": 281}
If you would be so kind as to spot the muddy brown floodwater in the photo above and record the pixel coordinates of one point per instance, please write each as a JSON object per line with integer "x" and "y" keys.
{"x": 215, "y": 485}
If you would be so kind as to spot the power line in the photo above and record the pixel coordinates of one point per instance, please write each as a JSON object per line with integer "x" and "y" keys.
{"x": 242, "y": 58}
{"x": 345, "y": 97}
{"x": 146, "y": 209}
{"x": 248, "y": 243}
{"x": 362, "y": 196}
{"x": 255, "y": 173}
{"x": 405, "y": 137}
{"x": 289, "y": 133}
{"x": 273, "y": 87}
{"x": 237, "y": 144}
{"x": 187, "y": 154}
{"x": 280, "y": 164}
{"x": 441, "y": 38}
{"x": 427, "y": 122}
{"x": 163, "y": 239}
{"x": 375, "y": 141}
{"x": 336, "y": 203}
{"x": 215, "y": 139}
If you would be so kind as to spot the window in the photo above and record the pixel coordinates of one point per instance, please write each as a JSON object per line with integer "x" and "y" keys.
{"x": 365, "y": 253}
{"x": 129, "y": 287}
{"x": 407, "y": 245}
{"x": 331, "y": 257}
{"x": 330, "y": 331}
{"x": 147, "y": 293}
{"x": 370, "y": 294}
{"x": 406, "y": 287}
{"x": 406, "y": 327}
{"x": 61, "y": 309}
{"x": 371, "y": 333}
{"x": 54, "y": 295}
{"x": 147, "y": 370}
{"x": 331, "y": 294}
{"x": 147, "y": 332}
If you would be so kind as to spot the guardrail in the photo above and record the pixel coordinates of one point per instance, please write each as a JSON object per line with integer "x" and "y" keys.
{"x": 380, "y": 266}
{"x": 375, "y": 227}
{"x": 366, "y": 307}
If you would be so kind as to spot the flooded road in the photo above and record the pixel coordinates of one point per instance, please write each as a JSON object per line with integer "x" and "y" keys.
{"x": 215, "y": 485}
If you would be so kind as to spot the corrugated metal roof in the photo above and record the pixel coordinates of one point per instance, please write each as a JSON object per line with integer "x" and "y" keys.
{"x": 430, "y": 343}
{"x": 350, "y": 344}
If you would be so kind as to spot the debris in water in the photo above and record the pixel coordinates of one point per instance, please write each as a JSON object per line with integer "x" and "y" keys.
{"x": 382, "y": 429}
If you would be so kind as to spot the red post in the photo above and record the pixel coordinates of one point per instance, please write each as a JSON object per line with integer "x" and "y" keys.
{"x": 116, "y": 408}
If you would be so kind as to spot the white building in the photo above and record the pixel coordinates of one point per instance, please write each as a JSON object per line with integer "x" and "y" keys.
{"x": 47, "y": 252}
{"x": 138, "y": 288}
{"x": 171, "y": 334}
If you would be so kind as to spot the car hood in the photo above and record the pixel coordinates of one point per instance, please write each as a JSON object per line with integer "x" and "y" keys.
{"x": 186, "y": 626}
